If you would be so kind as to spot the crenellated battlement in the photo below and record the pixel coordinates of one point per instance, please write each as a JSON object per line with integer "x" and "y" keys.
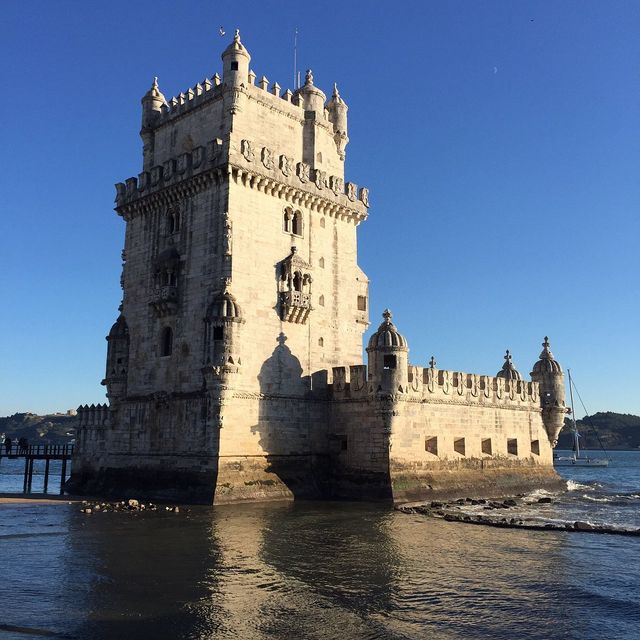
{"x": 170, "y": 172}
{"x": 95, "y": 415}
{"x": 212, "y": 88}
{"x": 432, "y": 385}
{"x": 254, "y": 166}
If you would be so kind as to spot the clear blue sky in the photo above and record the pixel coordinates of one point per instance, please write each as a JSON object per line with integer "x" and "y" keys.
{"x": 500, "y": 142}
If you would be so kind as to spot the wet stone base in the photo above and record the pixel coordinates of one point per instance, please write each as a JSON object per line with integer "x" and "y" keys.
{"x": 265, "y": 478}
{"x": 417, "y": 485}
{"x": 164, "y": 485}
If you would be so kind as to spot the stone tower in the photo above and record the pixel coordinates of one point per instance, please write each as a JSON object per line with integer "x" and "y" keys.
{"x": 240, "y": 280}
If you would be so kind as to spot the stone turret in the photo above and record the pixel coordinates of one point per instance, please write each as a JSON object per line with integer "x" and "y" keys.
{"x": 388, "y": 358}
{"x": 117, "y": 360}
{"x": 548, "y": 373}
{"x": 311, "y": 98}
{"x": 338, "y": 116}
{"x": 235, "y": 63}
{"x": 152, "y": 103}
{"x": 222, "y": 324}
{"x": 508, "y": 371}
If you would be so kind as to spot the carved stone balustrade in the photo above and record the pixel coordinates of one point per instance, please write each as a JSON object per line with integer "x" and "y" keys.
{"x": 164, "y": 300}
{"x": 295, "y": 306}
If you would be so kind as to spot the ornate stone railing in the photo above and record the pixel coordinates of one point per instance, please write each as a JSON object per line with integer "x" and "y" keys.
{"x": 164, "y": 300}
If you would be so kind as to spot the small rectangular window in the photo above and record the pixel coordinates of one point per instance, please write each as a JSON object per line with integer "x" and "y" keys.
{"x": 512, "y": 446}
{"x": 234, "y": 66}
{"x": 362, "y": 303}
{"x": 459, "y": 446}
{"x": 486, "y": 446}
{"x": 218, "y": 333}
{"x": 344, "y": 444}
{"x": 535, "y": 447}
{"x": 389, "y": 362}
{"x": 431, "y": 445}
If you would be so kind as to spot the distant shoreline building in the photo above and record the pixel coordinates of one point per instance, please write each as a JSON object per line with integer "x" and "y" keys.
{"x": 234, "y": 371}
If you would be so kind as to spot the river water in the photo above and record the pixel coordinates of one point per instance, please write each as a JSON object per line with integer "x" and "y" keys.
{"x": 338, "y": 571}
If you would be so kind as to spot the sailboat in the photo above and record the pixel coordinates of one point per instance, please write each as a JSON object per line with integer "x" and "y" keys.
{"x": 575, "y": 459}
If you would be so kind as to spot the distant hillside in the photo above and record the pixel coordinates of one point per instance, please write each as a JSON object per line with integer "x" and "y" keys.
{"x": 616, "y": 431}
{"x": 51, "y": 429}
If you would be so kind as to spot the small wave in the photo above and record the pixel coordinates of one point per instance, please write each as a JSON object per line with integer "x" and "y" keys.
{"x": 538, "y": 493}
{"x": 572, "y": 485}
{"x": 598, "y": 499}
{"x": 618, "y": 498}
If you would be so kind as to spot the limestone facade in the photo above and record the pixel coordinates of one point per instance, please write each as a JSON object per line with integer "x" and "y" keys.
{"x": 243, "y": 301}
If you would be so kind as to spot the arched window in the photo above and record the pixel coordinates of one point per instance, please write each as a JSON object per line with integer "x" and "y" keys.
{"x": 166, "y": 342}
{"x": 322, "y": 222}
{"x": 297, "y": 281}
{"x": 321, "y": 263}
{"x": 321, "y": 342}
{"x": 286, "y": 223}
{"x": 321, "y": 301}
{"x": 296, "y": 227}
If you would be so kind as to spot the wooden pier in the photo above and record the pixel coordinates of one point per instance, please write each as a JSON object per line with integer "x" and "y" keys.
{"x": 46, "y": 452}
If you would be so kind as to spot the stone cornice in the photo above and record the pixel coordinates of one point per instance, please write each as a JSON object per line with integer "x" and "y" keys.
{"x": 171, "y": 194}
{"x": 297, "y": 196}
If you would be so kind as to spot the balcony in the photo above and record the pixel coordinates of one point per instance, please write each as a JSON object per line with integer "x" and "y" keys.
{"x": 164, "y": 300}
{"x": 295, "y": 306}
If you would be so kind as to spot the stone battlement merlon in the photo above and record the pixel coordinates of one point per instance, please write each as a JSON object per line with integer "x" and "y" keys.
{"x": 431, "y": 383}
{"x": 212, "y": 88}
{"x": 278, "y": 176}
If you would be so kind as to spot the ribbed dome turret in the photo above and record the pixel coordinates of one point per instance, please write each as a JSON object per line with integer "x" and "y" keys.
{"x": 547, "y": 363}
{"x": 154, "y": 92}
{"x": 387, "y": 336}
{"x": 508, "y": 371}
{"x": 236, "y": 48}
{"x": 225, "y": 307}
{"x": 312, "y": 98}
{"x": 119, "y": 328}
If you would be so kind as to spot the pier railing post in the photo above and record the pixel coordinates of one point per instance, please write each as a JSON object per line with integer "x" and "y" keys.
{"x": 63, "y": 475}
{"x": 30, "y": 474}
{"x": 46, "y": 474}
{"x": 26, "y": 475}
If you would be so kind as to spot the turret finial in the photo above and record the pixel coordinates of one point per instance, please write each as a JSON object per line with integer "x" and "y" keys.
{"x": 508, "y": 371}
{"x": 546, "y": 349}
{"x": 336, "y": 93}
{"x": 386, "y": 314}
{"x": 308, "y": 79}
{"x": 432, "y": 362}
{"x": 236, "y": 36}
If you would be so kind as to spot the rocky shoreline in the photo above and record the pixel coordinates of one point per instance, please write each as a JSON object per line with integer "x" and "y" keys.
{"x": 493, "y": 511}
{"x": 89, "y": 507}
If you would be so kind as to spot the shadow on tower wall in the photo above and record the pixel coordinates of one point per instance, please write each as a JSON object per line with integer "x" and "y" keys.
{"x": 286, "y": 418}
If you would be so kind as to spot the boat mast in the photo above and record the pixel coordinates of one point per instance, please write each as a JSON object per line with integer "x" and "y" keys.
{"x": 576, "y": 444}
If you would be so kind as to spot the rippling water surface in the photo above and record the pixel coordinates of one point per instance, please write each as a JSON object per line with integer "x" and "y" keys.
{"x": 310, "y": 570}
